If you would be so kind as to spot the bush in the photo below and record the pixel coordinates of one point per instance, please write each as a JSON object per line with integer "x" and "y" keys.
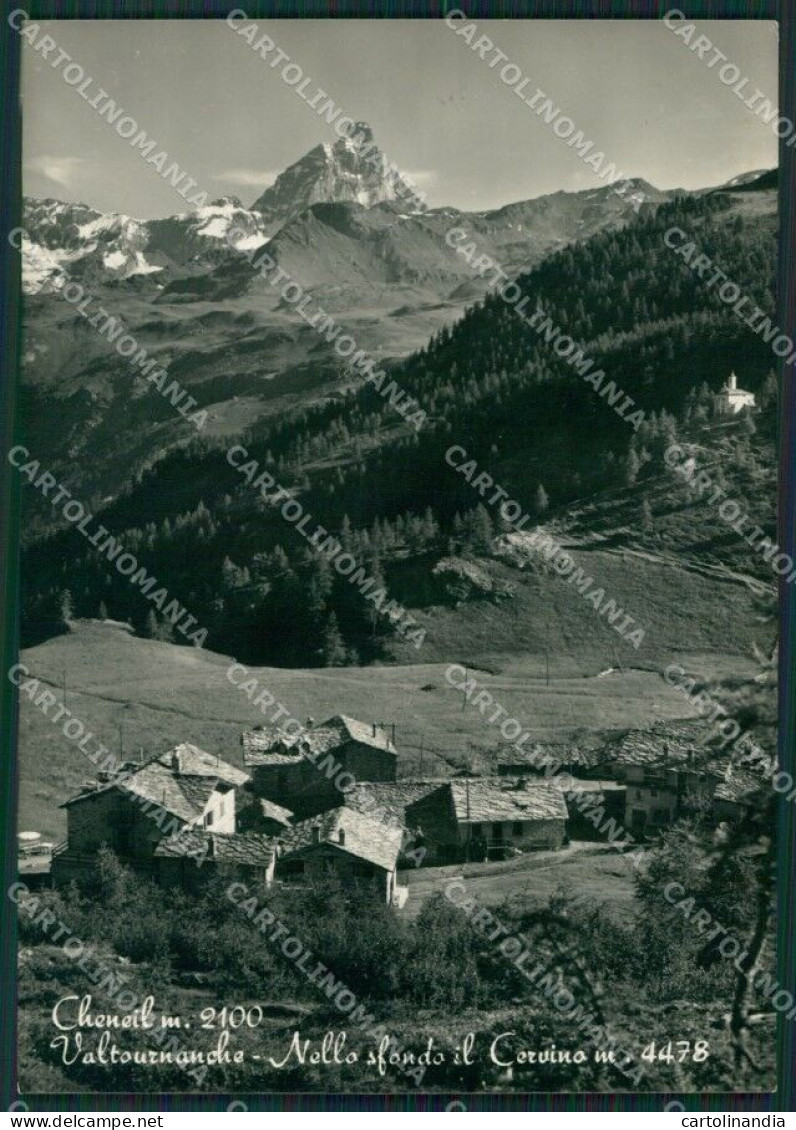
{"x": 442, "y": 966}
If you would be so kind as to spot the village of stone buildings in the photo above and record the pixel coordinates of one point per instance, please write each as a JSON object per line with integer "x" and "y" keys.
{"x": 330, "y": 802}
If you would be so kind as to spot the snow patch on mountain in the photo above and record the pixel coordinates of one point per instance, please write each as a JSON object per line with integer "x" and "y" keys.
{"x": 96, "y": 246}
{"x": 224, "y": 221}
{"x": 39, "y": 264}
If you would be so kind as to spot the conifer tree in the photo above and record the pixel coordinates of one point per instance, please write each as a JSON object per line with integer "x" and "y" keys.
{"x": 66, "y": 607}
{"x": 632, "y": 467}
{"x": 332, "y": 650}
{"x": 481, "y": 529}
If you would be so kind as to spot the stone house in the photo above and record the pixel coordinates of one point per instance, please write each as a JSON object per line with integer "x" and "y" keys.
{"x": 308, "y": 773}
{"x": 357, "y": 851}
{"x": 569, "y": 757}
{"x": 486, "y": 817}
{"x": 404, "y": 804}
{"x": 742, "y": 792}
{"x": 667, "y": 773}
{"x": 507, "y": 815}
{"x": 193, "y": 856}
{"x": 131, "y": 812}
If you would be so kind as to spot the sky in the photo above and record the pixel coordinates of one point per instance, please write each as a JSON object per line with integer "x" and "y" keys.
{"x": 437, "y": 110}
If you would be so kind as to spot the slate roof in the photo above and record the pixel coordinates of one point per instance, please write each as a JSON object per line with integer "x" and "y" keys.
{"x": 265, "y": 745}
{"x": 669, "y": 744}
{"x": 364, "y": 838}
{"x": 199, "y": 763}
{"x": 247, "y": 849}
{"x": 183, "y": 794}
{"x": 275, "y": 812}
{"x": 390, "y": 796}
{"x": 484, "y": 799}
{"x": 270, "y": 757}
{"x": 270, "y": 745}
{"x": 562, "y": 753}
{"x": 180, "y": 795}
{"x": 740, "y": 787}
{"x": 341, "y": 729}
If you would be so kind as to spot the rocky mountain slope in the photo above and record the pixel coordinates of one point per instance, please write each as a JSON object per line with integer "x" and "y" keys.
{"x": 97, "y": 249}
{"x": 380, "y": 264}
{"x": 352, "y": 169}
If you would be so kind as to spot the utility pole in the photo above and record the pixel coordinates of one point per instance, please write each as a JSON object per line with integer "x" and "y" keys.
{"x": 469, "y": 825}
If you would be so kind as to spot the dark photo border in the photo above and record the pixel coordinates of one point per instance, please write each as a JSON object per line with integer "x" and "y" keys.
{"x": 10, "y": 334}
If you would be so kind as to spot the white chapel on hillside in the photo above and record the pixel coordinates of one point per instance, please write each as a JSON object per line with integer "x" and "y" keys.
{"x": 730, "y": 400}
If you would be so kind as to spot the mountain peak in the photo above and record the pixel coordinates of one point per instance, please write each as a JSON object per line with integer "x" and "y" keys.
{"x": 227, "y": 202}
{"x": 363, "y": 128}
{"x": 352, "y": 170}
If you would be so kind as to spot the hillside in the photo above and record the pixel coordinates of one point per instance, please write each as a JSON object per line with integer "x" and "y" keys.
{"x": 136, "y": 694}
{"x": 492, "y": 385}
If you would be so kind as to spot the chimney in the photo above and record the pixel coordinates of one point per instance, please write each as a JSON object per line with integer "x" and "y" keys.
{"x": 733, "y": 381}
{"x": 176, "y": 762}
{"x": 374, "y": 729}
{"x": 341, "y": 837}
{"x": 316, "y": 834}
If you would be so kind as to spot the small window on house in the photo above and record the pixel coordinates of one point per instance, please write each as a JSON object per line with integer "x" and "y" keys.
{"x": 516, "y": 828}
{"x": 208, "y": 819}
